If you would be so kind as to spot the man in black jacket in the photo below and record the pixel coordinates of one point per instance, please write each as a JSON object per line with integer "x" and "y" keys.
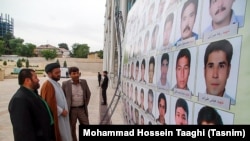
{"x": 104, "y": 87}
{"x": 30, "y": 115}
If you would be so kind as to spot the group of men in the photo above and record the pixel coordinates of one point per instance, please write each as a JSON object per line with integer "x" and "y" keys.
{"x": 51, "y": 115}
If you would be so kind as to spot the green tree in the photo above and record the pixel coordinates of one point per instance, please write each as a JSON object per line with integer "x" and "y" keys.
{"x": 4, "y": 63}
{"x": 15, "y": 45}
{"x": 100, "y": 54}
{"x": 65, "y": 64}
{"x": 27, "y": 63}
{"x": 7, "y": 49}
{"x": 63, "y": 45}
{"x": 2, "y": 49}
{"x": 19, "y": 63}
{"x": 49, "y": 54}
{"x": 26, "y": 50}
{"x": 80, "y": 50}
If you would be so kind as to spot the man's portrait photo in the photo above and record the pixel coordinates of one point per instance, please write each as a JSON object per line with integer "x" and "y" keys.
{"x": 208, "y": 115}
{"x": 221, "y": 13}
{"x": 188, "y": 21}
{"x": 184, "y": 69}
{"x": 219, "y": 62}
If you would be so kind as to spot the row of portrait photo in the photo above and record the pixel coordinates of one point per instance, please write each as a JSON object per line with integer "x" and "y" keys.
{"x": 159, "y": 108}
{"x": 208, "y": 71}
{"x": 154, "y": 26}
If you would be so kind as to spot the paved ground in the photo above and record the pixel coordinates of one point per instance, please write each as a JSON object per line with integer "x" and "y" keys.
{"x": 96, "y": 111}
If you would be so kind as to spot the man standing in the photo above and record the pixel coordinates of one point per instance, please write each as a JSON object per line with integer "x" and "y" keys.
{"x": 104, "y": 87}
{"x": 99, "y": 78}
{"x": 30, "y": 116}
{"x": 52, "y": 92}
{"x": 77, "y": 95}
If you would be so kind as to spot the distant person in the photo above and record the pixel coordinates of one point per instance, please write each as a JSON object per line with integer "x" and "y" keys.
{"x": 209, "y": 116}
{"x": 223, "y": 15}
{"x": 188, "y": 16}
{"x": 168, "y": 26}
{"x": 162, "y": 107}
{"x": 182, "y": 68}
{"x": 52, "y": 92}
{"x": 104, "y": 87}
{"x": 150, "y": 102}
{"x": 151, "y": 69}
{"x": 143, "y": 67}
{"x": 217, "y": 66}
{"x": 181, "y": 112}
{"x": 99, "y": 76}
{"x": 163, "y": 81}
{"x": 30, "y": 115}
{"x": 77, "y": 95}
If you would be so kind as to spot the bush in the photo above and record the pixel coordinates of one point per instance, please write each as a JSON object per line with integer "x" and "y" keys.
{"x": 4, "y": 63}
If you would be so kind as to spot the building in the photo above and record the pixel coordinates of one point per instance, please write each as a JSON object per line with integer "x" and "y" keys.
{"x": 41, "y": 48}
{"x": 111, "y": 51}
{"x": 6, "y": 25}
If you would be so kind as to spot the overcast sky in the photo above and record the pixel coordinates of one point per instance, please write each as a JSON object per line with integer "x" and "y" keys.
{"x": 57, "y": 21}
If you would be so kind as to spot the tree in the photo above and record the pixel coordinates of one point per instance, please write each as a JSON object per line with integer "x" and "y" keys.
{"x": 15, "y": 44}
{"x": 2, "y": 49}
{"x": 65, "y": 64}
{"x": 80, "y": 50}
{"x": 26, "y": 50}
{"x": 100, "y": 54}
{"x": 19, "y": 63}
{"x": 63, "y": 45}
{"x": 4, "y": 63}
{"x": 27, "y": 64}
{"x": 49, "y": 54}
{"x": 8, "y": 36}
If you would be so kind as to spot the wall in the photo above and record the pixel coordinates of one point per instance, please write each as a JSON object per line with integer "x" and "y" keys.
{"x": 141, "y": 19}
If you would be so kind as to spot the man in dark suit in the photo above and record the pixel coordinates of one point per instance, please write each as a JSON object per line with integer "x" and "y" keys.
{"x": 30, "y": 115}
{"x": 77, "y": 94}
{"x": 99, "y": 78}
{"x": 104, "y": 87}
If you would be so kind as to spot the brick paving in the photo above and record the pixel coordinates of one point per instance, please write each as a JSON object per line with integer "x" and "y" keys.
{"x": 96, "y": 111}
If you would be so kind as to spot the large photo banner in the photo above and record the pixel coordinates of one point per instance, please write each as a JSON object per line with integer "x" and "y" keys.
{"x": 185, "y": 62}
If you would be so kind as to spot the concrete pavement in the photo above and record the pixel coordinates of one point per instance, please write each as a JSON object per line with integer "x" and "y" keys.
{"x": 96, "y": 111}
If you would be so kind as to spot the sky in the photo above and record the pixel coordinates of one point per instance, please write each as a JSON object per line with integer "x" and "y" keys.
{"x": 52, "y": 22}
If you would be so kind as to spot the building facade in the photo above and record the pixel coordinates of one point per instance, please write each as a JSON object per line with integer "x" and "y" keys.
{"x": 6, "y": 25}
{"x": 111, "y": 49}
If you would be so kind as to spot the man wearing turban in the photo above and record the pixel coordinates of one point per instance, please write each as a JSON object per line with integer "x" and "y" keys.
{"x": 52, "y": 92}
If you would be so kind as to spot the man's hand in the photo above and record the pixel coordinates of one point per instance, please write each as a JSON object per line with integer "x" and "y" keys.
{"x": 64, "y": 113}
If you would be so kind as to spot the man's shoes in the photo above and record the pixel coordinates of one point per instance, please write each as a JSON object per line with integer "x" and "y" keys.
{"x": 104, "y": 103}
